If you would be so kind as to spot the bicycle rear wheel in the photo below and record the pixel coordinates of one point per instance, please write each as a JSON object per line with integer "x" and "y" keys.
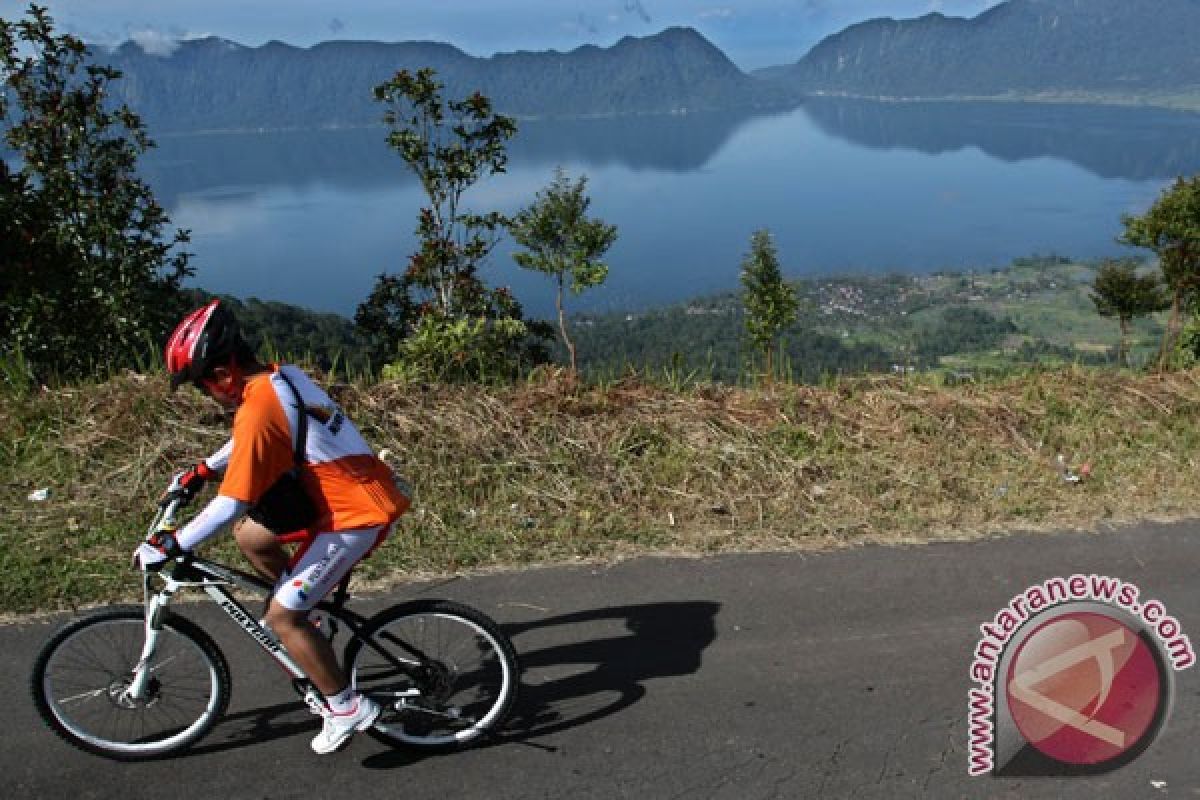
{"x": 80, "y": 679}
{"x": 443, "y": 673}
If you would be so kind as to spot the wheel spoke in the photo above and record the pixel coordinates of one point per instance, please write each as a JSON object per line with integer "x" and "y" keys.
{"x": 462, "y": 687}
{"x": 84, "y": 675}
{"x": 82, "y": 696}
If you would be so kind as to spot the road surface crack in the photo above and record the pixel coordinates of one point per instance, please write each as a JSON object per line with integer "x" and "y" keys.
{"x": 832, "y": 766}
{"x": 946, "y": 751}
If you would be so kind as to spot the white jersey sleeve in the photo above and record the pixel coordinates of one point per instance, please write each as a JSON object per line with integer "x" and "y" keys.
{"x": 219, "y": 460}
{"x": 219, "y": 512}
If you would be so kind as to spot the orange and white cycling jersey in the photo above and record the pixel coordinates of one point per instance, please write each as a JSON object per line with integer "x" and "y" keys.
{"x": 349, "y": 485}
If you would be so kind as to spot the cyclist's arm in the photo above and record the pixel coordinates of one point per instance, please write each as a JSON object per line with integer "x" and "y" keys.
{"x": 220, "y": 511}
{"x": 219, "y": 460}
{"x": 262, "y": 453}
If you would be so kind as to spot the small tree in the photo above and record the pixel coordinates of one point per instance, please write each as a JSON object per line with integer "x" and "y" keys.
{"x": 449, "y": 156}
{"x": 86, "y": 281}
{"x": 1171, "y": 228}
{"x": 771, "y": 305}
{"x": 561, "y": 241}
{"x": 1119, "y": 291}
{"x": 450, "y": 146}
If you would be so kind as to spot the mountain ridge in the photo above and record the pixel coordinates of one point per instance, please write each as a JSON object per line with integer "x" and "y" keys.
{"x": 216, "y": 84}
{"x": 1109, "y": 51}
{"x": 1016, "y": 47}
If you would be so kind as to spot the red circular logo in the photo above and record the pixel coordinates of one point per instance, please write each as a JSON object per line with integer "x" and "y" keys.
{"x": 1084, "y": 688}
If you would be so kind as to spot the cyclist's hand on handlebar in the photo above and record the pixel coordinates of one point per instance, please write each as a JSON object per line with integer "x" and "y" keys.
{"x": 158, "y": 547}
{"x": 187, "y": 484}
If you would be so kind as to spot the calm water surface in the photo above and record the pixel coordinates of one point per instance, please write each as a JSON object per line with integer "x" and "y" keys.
{"x": 312, "y": 217}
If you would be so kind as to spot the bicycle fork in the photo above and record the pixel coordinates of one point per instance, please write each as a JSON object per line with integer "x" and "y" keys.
{"x": 156, "y": 603}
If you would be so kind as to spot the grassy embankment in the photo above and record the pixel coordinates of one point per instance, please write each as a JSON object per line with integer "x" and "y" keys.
{"x": 539, "y": 473}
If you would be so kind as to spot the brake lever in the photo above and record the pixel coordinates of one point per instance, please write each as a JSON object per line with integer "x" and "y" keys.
{"x": 173, "y": 492}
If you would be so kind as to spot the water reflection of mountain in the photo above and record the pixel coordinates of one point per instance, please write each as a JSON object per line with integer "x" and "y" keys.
{"x": 360, "y": 158}
{"x": 1111, "y": 142}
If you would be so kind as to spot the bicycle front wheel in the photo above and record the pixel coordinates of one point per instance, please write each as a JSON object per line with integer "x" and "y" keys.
{"x": 80, "y": 682}
{"x": 443, "y": 673}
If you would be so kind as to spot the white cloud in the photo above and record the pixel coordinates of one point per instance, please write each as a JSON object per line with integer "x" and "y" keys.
{"x": 155, "y": 43}
{"x": 716, "y": 13}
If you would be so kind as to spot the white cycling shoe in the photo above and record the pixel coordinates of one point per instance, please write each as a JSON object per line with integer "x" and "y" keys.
{"x": 338, "y": 728}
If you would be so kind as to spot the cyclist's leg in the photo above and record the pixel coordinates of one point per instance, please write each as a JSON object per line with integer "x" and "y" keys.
{"x": 320, "y": 567}
{"x": 262, "y": 548}
{"x": 310, "y": 650}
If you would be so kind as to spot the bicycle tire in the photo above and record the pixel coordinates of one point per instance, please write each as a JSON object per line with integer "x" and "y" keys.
{"x": 459, "y": 700}
{"x": 80, "y": 673}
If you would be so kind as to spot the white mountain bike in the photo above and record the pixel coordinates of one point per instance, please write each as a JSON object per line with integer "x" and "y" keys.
{"x": 133, "y": 683}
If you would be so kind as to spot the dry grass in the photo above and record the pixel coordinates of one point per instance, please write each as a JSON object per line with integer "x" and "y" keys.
{"x": 550, "y": 472}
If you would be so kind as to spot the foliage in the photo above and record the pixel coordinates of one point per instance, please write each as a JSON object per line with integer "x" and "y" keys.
{"x": 387, "y": 315}
{"x": 283, "y": 332}
{"x": 528, "y": 474}
{"x": 1187, "y": 351}
{"x": 450, "y": 146}
{"x": 443, "y": 350}
{"x": 706, "y": 343}
{"x": 861, "y": 323}
{"x": 1171, "y": 228}
{"x": 1119, "y": 291}
{"x": 771, "y": 305}
{"x": 961, "y": 328}
{"x": 562, "y": 242}
{"x": 86, "y": 281}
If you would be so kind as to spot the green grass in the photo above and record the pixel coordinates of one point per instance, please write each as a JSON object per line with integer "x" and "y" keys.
{"x": 551, "y": 472}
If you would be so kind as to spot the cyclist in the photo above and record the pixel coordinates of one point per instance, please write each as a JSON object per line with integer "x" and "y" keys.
{"x": 353, "y": 496}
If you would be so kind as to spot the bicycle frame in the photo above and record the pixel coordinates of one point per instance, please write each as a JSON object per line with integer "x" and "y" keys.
{"x": 216, "y": 580}
{"x": 442, "y": 673}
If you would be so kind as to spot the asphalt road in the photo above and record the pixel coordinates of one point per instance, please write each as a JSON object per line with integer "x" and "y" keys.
{"x": 841, "y": 674}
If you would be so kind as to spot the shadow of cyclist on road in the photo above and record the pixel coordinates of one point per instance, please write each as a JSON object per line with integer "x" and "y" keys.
{"x": 576, "y": 668}
{"x": 580, "y": 667}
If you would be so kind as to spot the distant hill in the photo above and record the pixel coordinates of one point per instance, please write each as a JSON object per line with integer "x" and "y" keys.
{"x": 1147, "y": 144}
{"x": 214, "y": 84}
{"x": 1130, "y": 47}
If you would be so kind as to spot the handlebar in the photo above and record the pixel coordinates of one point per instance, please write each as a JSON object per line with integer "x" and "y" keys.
{"x": 167, "y": 516}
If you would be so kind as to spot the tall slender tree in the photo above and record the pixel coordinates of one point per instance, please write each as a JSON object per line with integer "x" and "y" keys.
{"x": 561, "y": 241}
{"x": 1171, "y": 228}
{"x": 450, "y": 145}
{"x": 1119, "y": 291}
{"x": 771, "y": 304}
{"x": 87, "y": 279}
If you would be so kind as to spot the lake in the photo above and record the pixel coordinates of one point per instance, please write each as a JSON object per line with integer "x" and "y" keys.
{"x": 311, "y": 217}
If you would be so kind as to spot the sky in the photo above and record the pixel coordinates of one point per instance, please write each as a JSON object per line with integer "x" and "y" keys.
{"x": 753, "y": 33}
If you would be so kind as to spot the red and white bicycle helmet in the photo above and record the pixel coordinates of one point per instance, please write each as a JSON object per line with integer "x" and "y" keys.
{"x": 207, "y": 337}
